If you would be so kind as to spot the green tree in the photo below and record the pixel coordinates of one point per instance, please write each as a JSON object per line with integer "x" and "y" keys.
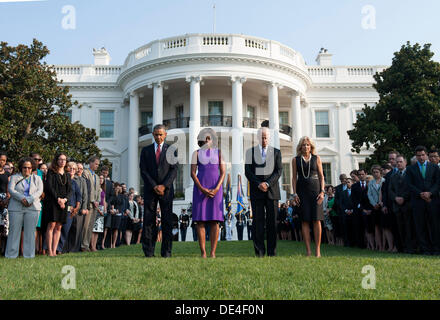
{"x": 408, "y": 111}
{"x": 33, "y": 108}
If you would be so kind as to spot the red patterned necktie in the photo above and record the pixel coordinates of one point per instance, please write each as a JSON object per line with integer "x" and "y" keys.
{"x": 157, "y": 154}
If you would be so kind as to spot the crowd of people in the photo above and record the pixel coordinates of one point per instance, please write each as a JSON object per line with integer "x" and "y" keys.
{"x": 59, "y": 207}
{"x": 392, "y": 207}
{"x": 66, "y": 206}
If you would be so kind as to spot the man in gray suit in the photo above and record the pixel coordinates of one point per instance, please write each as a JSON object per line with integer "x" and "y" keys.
{"x": 94, "y": 197}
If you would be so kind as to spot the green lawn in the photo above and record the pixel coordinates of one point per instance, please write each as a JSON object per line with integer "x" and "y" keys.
{"x": 124, "y": 273}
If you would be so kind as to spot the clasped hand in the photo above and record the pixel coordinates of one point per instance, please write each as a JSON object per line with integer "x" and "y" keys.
{"x": 426, "y": 196}
{"x": 159, "y": 189}
{"x": 210, "y": 193}
{"x": 25, "y": 203}
{"x": 62, "y": 203}
{"x": 263, "y": 187}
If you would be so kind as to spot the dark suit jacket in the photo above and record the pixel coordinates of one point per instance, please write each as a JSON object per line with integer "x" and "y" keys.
{"x": 346, "y": 201}
{"x": 417, "y": 184}
{"x": 153, "y": 174}
{"x": 274, "y": 168}
{"x": 398, "y": 187}
{"x": 338, "y": 199}
{"x": 360, "y": 197}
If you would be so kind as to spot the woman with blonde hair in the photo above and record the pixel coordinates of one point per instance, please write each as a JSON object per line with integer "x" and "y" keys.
{"x": 308, "y": 191}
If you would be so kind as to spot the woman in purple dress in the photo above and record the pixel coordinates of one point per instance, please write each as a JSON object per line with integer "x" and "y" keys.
{"x": 207, "y": 203}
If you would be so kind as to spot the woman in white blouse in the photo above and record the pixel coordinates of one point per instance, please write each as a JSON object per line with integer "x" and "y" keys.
{"x": 133, "y": 218}
{"x": 25, "y": 189}
{"x": 375, "y": 198}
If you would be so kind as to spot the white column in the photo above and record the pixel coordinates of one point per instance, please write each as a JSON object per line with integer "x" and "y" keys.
{"x": 296, "y": 119}
{"x": 237, "y": 129}
{"x": 274, "y": 122}
{"x": 194, "y": 125}
{"x": 157, "y": 102}
{"x": 133, "y": 139}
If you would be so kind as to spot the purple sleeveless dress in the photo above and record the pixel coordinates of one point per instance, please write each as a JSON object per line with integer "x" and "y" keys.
{"x": 203, "y": 207}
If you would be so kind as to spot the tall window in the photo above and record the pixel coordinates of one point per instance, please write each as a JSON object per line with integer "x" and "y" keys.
{"x": 327, "y": 170}
{"x": 250, "y": 112}
{"x": 106, "y": 124}
{"x": 215, "y": 109}
{"x": 286, "y": 178}
{"x": 146, "y": 118}
{"x": 284, "y": 118}
{"x": 322, "y": 124}
{"x": 179, "y": 191}
{"x": 179, "y": 111}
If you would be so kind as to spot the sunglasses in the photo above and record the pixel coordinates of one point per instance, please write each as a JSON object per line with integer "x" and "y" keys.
{"x": 30, "y": 168}
{"x": 36, "y": 159}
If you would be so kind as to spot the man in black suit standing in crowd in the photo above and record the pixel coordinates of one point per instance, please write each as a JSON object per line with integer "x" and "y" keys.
{"x": 399, "y": 195}
{"x": 361, "y": 206}
{"x": 158, "y": 167}
{"x": 347, "y": 209}
{"x": 263, "y": 170}
{"x": 423, "y": 182}
{"x": 338, "y": 205}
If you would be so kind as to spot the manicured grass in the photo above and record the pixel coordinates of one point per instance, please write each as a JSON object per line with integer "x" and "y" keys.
{"x": 124, "y": 273}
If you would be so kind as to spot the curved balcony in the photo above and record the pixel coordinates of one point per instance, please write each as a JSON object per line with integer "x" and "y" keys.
{"x": 215, "y": 43}
{"x": 211, "y": 121}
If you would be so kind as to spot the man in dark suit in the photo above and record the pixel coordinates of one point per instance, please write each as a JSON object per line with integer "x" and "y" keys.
{"x": 263, "y": 170}
{"x": 398, "y": 193}
{"x": 362, "y": 206}
{"x": 158, "y": 167}
{"x": 102, "y": 238}
{"x": 347, "y": 209}
{"x": 423, "y": 182}
{"x": 337, "y": 207}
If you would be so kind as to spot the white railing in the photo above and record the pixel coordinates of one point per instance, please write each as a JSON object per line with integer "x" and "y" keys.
{"x": 321, "y": 71}
{"x": 175, "y": 43}
{"x": 360, "y": 71}
{"x": 107, "y": 70}
{"x": 143, "y": 52}
{"x": 287, "y": 52}
{"x": 67, "y": 70}
{"x": 256, "y": 43}
{"x": 215, "y": 41}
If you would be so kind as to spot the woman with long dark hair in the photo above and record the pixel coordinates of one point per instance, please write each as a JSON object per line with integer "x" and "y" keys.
{"x": 57, "y": 187}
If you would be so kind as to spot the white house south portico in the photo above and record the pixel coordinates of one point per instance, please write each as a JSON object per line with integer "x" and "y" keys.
{"x": 231, "y": 83}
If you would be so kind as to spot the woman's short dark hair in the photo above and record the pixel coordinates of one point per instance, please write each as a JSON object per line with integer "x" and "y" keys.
{"x": 26, "y": 159}
{"x": 208, "y": 132}
{"x": 3, "y": 153}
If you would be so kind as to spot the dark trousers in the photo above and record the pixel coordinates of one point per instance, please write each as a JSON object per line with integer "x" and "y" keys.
{"x": 358, "y": 229}
{"x": 240, "y": 232}
{"x": 183, "y": 233}
{"x": 265, "y": 218}
{"x": 425, "y": 216}
{"x": 347, "y": 229}
{"x": 249, "y": 231}
{"x": 405, "y": 226}
{"x": 63, "y": 243}
{"x": 149, "y": 231}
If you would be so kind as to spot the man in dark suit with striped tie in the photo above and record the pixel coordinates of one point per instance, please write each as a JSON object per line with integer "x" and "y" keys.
{"x": 423, "y": 181}
{"x": 158, "y": 165}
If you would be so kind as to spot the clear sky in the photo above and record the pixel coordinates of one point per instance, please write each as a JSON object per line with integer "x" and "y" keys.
{"x": 341, "y": 26}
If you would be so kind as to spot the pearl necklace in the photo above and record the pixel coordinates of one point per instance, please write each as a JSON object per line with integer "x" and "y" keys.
{"x": 302, "y": 168}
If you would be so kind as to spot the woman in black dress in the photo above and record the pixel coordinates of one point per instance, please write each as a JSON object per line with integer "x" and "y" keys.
{"x": 57, "y": 187}
{"x": 308, "y": 191}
